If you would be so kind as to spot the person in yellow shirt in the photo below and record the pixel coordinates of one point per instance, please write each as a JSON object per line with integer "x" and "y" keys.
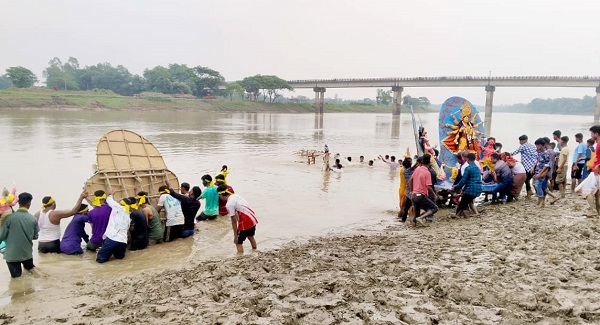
{"x": 561, "y": 170}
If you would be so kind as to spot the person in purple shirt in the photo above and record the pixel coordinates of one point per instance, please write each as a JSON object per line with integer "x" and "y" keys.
{"x": 75, "y": 232}
{"x": 98, "y": 217}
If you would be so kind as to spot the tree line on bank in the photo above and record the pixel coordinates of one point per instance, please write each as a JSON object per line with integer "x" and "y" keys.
{"x": 583, "y": 105}
{"x": 174, "y": 79}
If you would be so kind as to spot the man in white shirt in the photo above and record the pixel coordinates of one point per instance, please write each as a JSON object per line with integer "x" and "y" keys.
{"x": 115, "y": 236}
{"x": 243, "y": 218}
{"x": 589, "y": 190}
{"x": 394, "y": 165}
{"x": 175, "y": 218}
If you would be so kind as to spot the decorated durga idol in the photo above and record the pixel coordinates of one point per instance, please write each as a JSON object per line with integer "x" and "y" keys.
{"x": 461, "y": 130}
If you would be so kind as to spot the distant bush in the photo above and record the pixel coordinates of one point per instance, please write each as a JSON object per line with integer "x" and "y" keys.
{"x": 158, "y": 99}
{"x": 104, "y": 91}
{"x": 361, "y": 104}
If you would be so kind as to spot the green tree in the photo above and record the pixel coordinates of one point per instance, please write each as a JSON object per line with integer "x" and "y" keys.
{"x": 158, "y": 79}
{"x": 234, "y": 89}
{"x": 181, "y": 88}
{"x": 252, "y": 85}
{"x": 383, "y": 97}
{"x": 181, "y": 73}
{"x": 268, "y": 86}
{"x": 206, "y": 80}
{"x": 105, "y": 76}
{"x": 62, "y": 76}
{"x": 136, "y": 85}
{"x": 272, "y": 85}
{"x": 5, "y": 82}
{"x": 21, "y": 77}
{"x": 421, "y": 102}
{"x": 424, "y": 102}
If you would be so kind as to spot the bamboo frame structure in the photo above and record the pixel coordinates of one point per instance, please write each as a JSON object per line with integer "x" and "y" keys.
{"x": 128, "y": 163}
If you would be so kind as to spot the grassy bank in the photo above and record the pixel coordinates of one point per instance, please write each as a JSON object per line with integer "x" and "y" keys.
{"x": 49, "y": 99}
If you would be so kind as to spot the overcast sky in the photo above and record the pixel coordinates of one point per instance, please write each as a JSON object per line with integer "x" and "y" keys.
{"x": 307, "y": 39}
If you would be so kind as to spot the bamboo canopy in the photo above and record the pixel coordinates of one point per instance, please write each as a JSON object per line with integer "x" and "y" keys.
{"x": 128, "y": 163}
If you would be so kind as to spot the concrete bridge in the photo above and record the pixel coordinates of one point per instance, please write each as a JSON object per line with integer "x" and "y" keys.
{"x": 397, "y": 85}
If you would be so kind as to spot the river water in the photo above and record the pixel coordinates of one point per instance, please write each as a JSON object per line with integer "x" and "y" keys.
{"x": 51, "y": 153}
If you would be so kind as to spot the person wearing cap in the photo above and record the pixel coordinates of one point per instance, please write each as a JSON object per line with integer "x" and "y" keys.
{"x": 190, "y": 204}
{"x": 243, "y": 219}
{"x": 19, "y": 229}
{"x": 173, "y": 212}
{"x": 75, "y": 232}
{"x": 528, "y": 159}
{"x": 220, "y": 180}
{"x": 579, "y": 159}
{"x": 98, "y": 217}
{"x": 115, "y": 237}
{"x": 211, "y": 199}
{"x": 49, "y": 223}
{"x": 155, "y": 228}
{"x": 139, "y": 224}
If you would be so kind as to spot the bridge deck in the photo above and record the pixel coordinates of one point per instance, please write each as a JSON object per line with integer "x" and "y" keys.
{"x": 516, "y": 81}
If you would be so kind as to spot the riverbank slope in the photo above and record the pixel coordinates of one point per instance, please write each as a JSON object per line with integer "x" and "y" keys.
{"x": 515, "y": 264}
{"x": 48, "y": 99}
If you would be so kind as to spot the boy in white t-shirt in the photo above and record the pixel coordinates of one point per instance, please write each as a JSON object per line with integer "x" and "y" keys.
{"x": 243, "y": 219}
{"x": 175, "y": 219}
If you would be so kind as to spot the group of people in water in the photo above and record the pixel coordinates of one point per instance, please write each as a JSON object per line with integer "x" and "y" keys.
{"x": 542, "y": 167}
{"x": 132, "y": 223}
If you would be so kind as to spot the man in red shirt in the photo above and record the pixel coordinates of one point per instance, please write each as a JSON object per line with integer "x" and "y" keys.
{"x": 243, "y": 218}
{"x": 595, "y": 134}
{"x": 420, "y": 187}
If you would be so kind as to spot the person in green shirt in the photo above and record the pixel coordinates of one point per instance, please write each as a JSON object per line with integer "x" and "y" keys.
{"x": 19, "y": 229}
{"x": 211, "y": 204}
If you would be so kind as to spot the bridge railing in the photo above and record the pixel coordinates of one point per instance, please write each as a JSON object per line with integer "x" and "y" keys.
{"x": 453, "y": 78}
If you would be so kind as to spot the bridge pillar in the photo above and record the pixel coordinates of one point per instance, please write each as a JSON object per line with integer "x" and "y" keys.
{"x": 319, "y": 99}
{"x": 397, "y": 99}
{"x": 489, "y": 100}
{"x": 597, "y": 111}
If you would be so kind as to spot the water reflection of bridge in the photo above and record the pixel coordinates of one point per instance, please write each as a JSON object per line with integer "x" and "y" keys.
{"x": 397, "y": 85}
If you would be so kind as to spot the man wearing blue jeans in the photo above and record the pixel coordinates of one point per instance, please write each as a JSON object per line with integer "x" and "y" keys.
{"x": 542, "y": 166}
{"x": 504, "y": 178}
{"x": 528, "y": 158}
{"x": 115, "y": 237}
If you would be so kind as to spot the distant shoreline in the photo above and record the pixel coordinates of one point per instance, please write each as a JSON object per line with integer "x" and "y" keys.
{"x": 101, "y": 100}
{"x": 548, "y": 113}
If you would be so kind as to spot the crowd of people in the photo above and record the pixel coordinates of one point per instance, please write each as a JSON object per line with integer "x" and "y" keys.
{"x": 131, "y": 223}
{"x": 541, "y": 167}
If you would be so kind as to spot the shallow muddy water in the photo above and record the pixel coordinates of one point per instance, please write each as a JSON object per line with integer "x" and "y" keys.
{"x": 51, "y": 153}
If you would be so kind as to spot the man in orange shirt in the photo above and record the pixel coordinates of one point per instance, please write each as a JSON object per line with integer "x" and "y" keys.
{"x": 595, "y": 134}
{"x": 420, "y": 188}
